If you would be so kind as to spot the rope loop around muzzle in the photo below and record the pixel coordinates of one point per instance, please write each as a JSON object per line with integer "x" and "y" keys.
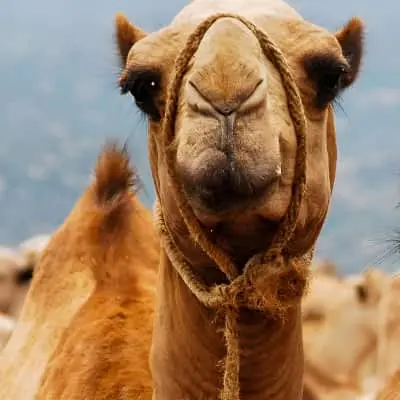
{"x": 272, "y": 281}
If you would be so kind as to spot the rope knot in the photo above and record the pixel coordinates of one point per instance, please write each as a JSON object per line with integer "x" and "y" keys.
{"x": 275, "y": 283}
{"x": 234, "y": 294}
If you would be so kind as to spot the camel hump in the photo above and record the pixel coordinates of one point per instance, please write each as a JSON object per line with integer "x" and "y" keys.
{"x": 110, "y": 219}
{"x": 108, "y": 211}
{"x": 114, "y": 176}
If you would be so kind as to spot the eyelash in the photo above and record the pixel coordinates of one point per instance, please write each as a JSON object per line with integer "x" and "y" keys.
{"x": 328, "y": 75}
{"x": 144, "y": 87}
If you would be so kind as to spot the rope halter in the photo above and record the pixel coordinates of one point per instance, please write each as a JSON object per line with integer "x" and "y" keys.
{"x": 270, "y": 282}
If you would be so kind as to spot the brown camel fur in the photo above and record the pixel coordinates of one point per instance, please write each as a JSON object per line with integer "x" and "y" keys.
{"x": 392, "y": 388}
{"x": 84, "y": 331}
{"x": 235, "y": 157}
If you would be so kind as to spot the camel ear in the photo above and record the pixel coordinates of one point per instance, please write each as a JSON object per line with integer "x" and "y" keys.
{"x": 351, "y": 39}
{"x": 126, "y": 35}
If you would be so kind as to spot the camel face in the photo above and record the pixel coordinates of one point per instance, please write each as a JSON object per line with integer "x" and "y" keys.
{"x": 235, "y": 140}
{"x": 229, "y": 155}
{"x": 343, "y": 314}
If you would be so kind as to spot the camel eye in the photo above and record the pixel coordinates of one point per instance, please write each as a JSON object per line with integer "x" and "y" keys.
{"x": 144, "y": 86}
{"x": 329, "y": 85}
{"x": 362, "y": 293}
{"x": 144, "y": 90}
{"x": 328, "y": 74}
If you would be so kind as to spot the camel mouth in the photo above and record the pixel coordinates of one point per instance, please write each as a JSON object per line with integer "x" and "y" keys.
{"x": 225, "y": 201}
{"x": 217, "y": 184}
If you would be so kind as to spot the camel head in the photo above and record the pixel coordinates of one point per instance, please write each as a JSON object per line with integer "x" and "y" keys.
{"x": 235, "y": 141}
{"x": 341, "y": 322}
{"x": 15, "y": 273}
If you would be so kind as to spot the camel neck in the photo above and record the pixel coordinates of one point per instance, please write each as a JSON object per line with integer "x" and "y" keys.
{"x": 188, "y": 346}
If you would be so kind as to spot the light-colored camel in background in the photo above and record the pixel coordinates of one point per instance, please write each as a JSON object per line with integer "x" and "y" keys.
{"x": 389, "y": 338}
{"x": 235, "y": 157}
{"x": 32, "y": 248}
{"x": 341, "y": 325}
{"x": 16, "y": 271}
{"x": 84, "y": 330}
{"x": 31, "y": 251}
{"x": 15, "y": 276}
{"x": 351, "y": 334}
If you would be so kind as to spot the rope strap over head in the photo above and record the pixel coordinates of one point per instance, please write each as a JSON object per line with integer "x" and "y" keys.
{"x": 270, "y": 281}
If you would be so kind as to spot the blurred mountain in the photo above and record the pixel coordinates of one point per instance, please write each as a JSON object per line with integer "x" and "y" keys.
{"x": 59, "y": 102}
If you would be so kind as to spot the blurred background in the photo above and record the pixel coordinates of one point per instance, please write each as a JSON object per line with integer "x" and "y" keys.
{"x": 59, "y": 102}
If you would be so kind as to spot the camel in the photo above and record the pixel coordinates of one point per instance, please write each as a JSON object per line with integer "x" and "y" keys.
{"x": 30, "y": 251}
{"x": 341, "y": 334}
{"x": 84, "y": 330}
{"x": 385, "y": 295}
{"x": 224, "y": 144}
{"x": 351, "y": 334}
{"x": 15, "y": 277}
{"x": 106, "y": 337}
{"x": 32, "y": 248}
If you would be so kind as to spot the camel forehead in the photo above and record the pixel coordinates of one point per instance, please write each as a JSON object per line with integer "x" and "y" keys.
{"x": 199, "y": 10}
{"x": 294, "y": 36}
{"x": 275, "y": 17}
{"x": 226, "y": 38}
